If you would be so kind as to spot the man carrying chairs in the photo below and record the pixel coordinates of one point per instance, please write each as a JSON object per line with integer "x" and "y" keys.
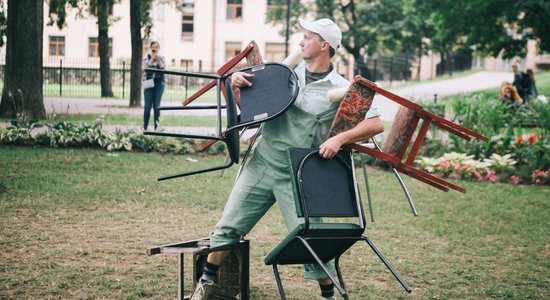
{"x": 266, "y": 179}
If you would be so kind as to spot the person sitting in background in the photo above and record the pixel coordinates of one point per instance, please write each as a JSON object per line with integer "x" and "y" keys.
{"x": 533, "y": 89}
{"x": 522, "y": 83}
{"x": 510, "y": 94}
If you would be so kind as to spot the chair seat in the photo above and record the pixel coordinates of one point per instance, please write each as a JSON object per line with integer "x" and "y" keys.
{"x": 328, "y": 240}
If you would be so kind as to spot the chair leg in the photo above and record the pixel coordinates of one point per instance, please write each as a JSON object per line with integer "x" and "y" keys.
{"x": 342, "y": 291}
{"x": 228, "y": 157}
{"x": 248, "y": 150}
{"x": 367, "y": 187}
{"x": 339, "y": 272}
{"x": 405, "y": 190}
{"x": 279, "y": 283}
{"x": 388, "y": 265}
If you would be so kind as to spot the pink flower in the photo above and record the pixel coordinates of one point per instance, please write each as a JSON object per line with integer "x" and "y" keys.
{"x": 478, "y": 175}
{"x": 538, "y": 181}
{"x": 515, "y": 179}
{"x": 491, "y": 176}
{"x": 457, "y": 167}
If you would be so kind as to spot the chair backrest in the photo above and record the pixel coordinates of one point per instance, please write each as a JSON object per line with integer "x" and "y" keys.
{"x": 352, "y": 108}
{"x": 401, "y": 132}
{"x": 325, "y": 187}
{"x": 274, "y": 89}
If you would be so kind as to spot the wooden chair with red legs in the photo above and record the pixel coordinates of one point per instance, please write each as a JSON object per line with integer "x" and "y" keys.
{"x": 356, "y": 101}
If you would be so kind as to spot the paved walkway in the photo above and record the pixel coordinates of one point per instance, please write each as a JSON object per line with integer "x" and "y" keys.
{"x": 418, "y": 92}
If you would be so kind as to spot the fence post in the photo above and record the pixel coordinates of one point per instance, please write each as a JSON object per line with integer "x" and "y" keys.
{"x": 186, "y": 78}
{"x": 391, "y": 70}
{"x": 60, "y": 77}
{"x": 123, "y": 77}
{"x": 374, "y": 76}
{"x": 200, "y": 65}
{"x": 452, "y": 64}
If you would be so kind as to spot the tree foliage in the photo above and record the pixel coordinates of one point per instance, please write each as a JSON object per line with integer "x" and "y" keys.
{"x": 489, "y": 26}
{"x": 396, "y": 26}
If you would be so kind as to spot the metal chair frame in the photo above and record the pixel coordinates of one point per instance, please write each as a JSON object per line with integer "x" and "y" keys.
{"x": 230, "y": 135}
{"x": 307, "y": 236}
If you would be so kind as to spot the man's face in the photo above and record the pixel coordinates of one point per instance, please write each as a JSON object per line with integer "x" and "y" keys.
{"x": 312, "y": 45}
{"x": 515, "y": 68}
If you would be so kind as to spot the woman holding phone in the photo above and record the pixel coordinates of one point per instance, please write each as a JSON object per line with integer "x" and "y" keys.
{"x": 153, "y": 94}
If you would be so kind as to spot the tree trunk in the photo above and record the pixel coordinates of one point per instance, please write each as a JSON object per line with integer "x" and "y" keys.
{"x": 23, "y": 79}
{"x": 103, "y": 40}
{"x": 137, "y": 44}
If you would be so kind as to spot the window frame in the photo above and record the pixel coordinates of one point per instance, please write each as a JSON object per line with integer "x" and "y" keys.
{"x": 232, "y": 11}
{"x": 58, "y": 41}
{"x": 96, "y": 46}
{"x": 188, "y": 35}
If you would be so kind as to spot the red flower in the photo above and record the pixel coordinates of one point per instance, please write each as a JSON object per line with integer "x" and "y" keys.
{"x": 519, "y": 140}
{"x": 532, "y": 138}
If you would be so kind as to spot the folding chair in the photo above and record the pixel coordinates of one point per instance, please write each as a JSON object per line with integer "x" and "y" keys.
{"x": 323, "y": 188}
{"x": 274, "y": 88}
{"x": 394, "y": 150}
{"x": 355, "y": 102}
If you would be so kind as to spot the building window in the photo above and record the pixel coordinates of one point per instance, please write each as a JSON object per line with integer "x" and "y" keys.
{"x": 187, "y": 19}
{"x": 274, "y": 52}
{"x": 57, "y": 46}
{"x": 93, "y": 47}
{"x": 234, "y": 9}
{"x": 276, "y": 9}
{"x": 92, "y": 8}
{"x": 232, "y": 49}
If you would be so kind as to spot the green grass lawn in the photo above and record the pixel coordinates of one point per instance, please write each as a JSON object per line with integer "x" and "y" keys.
{"x": 75, "y": 224}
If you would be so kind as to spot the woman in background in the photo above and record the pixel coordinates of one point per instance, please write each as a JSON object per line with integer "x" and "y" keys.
{"x": 153, "y": 95}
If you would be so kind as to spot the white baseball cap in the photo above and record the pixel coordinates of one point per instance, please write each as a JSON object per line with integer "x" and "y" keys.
{"x": 326, "y": 28}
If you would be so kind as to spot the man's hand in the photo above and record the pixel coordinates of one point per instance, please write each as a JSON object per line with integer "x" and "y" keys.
{"x": 364, "y": 130}
{"x": 330, "y": 147}
{"x": 238, "y": 80}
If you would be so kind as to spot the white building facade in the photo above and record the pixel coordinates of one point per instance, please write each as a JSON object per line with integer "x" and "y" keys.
{"x": 199, "y": 34}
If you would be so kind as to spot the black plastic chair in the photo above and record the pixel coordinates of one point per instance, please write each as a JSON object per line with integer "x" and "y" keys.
{"x": 274, "y": 89}
{"x": 324, "y": 188}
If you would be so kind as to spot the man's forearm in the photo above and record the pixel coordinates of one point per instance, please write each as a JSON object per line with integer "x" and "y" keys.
{"x": 364, "y": 130}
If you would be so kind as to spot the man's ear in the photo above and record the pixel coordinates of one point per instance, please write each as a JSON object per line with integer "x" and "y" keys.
{"x": 326, "y": 46}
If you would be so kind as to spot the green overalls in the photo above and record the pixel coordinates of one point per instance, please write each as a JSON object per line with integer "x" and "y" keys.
{"x": 266, "y": 179}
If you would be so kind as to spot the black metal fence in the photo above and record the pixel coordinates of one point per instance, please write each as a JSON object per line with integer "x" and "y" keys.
{"x": 68, "y": 77}
{"x": 81, "y": 78}
{"x": 454, "y": 63}
{"x": 385, "y": 68}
